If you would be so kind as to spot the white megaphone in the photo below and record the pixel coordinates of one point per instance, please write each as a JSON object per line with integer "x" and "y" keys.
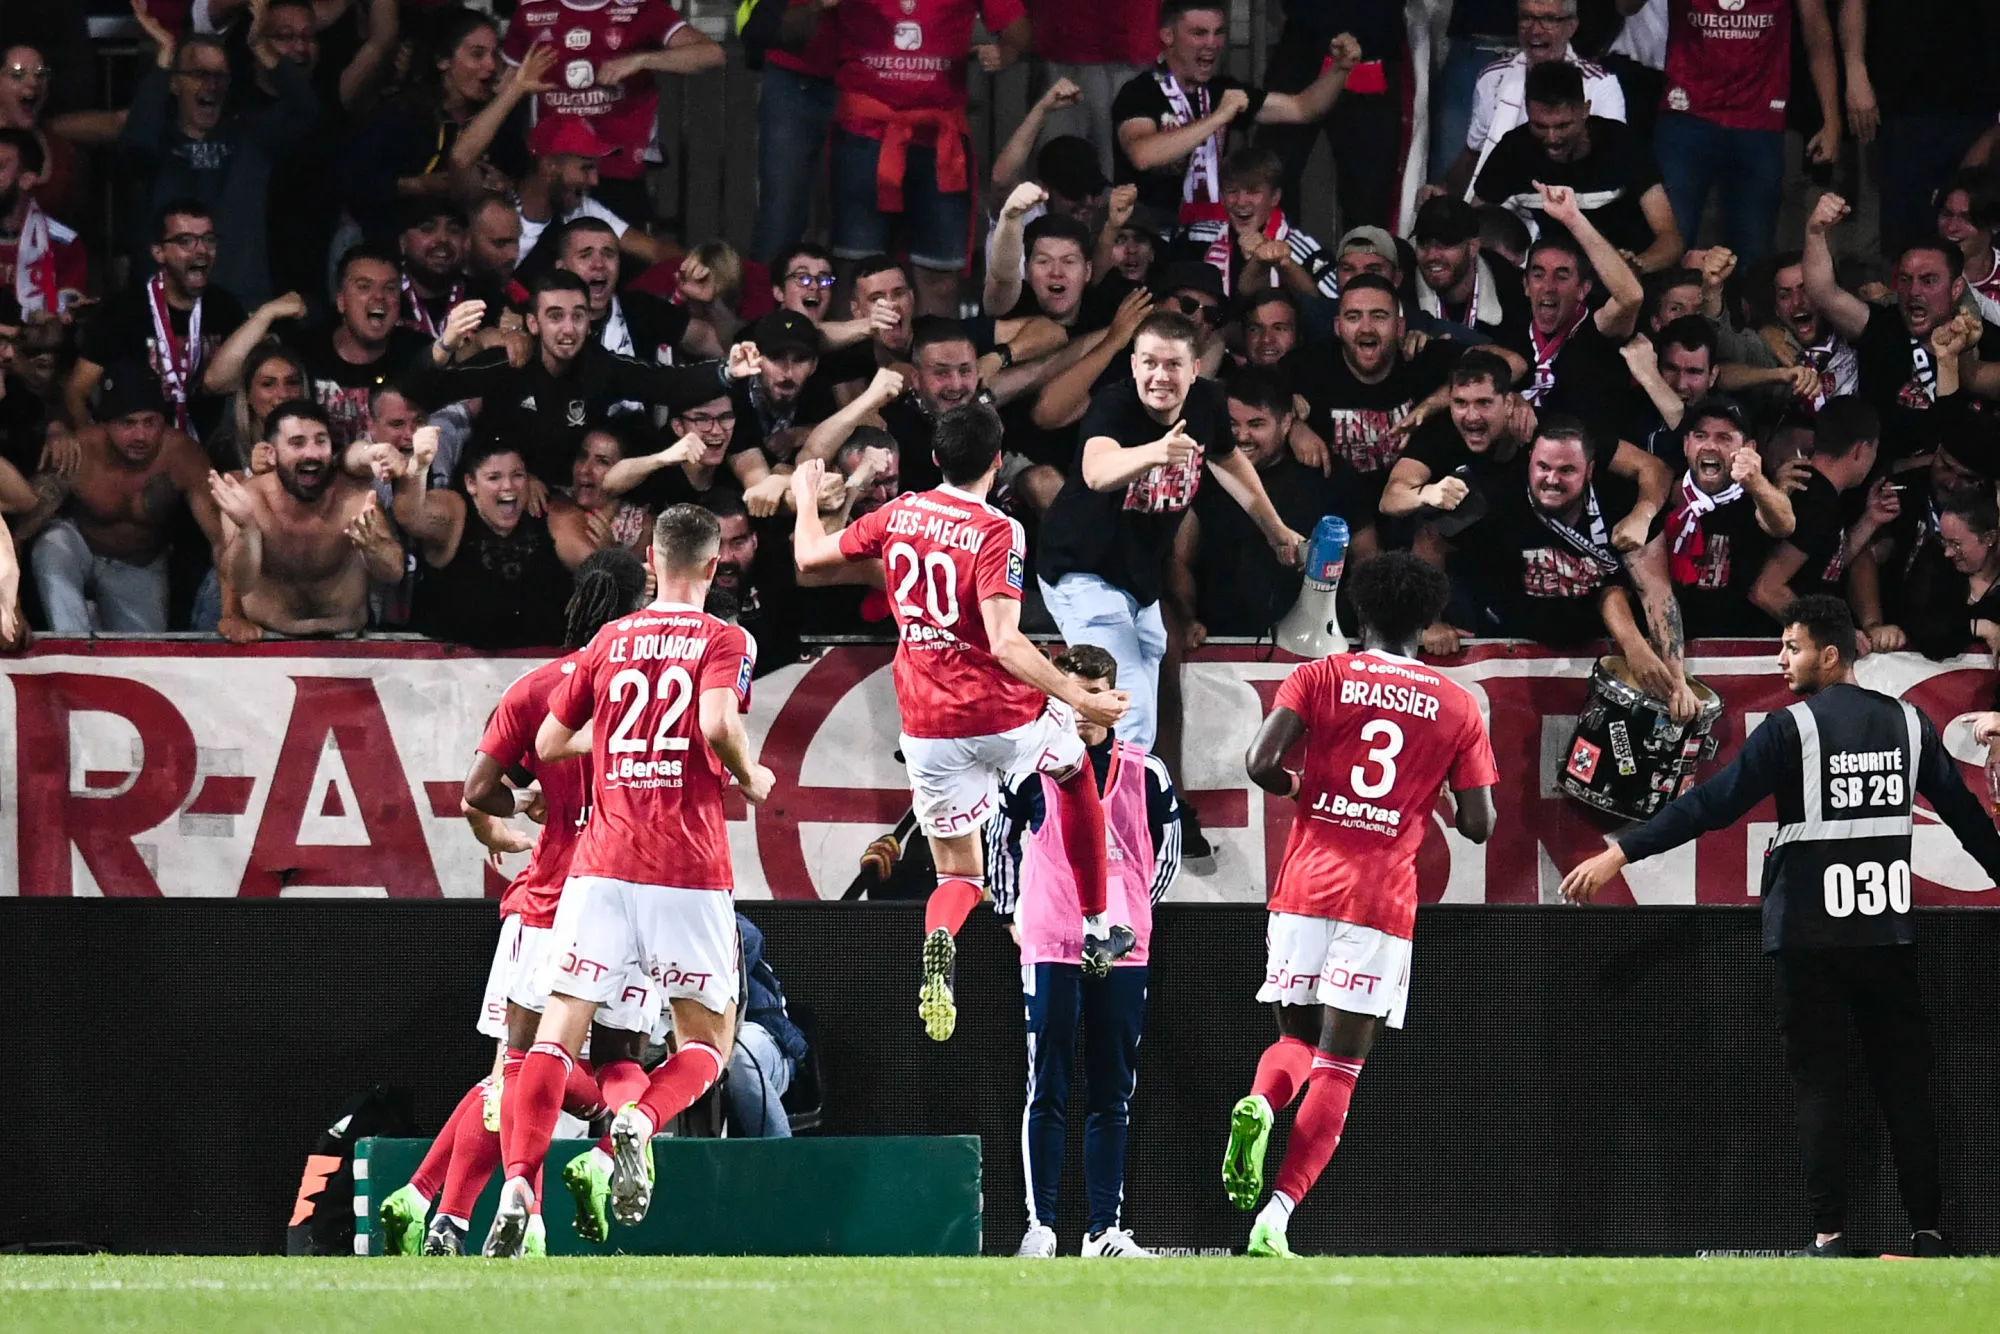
{"x": 1311, "y": 629}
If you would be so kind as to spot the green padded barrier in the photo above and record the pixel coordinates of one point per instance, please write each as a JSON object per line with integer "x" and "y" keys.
{"x": 886, "y": 1195}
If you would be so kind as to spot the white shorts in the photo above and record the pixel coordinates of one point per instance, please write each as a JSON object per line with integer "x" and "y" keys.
{"x": 955, "y": 781}
{"x": 611, "y": 937}
{"x": 519, "y": 978}
{"x": 1318, "y": 961}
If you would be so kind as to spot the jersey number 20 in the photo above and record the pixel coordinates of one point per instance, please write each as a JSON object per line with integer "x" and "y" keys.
{"x": 940, "y": 578}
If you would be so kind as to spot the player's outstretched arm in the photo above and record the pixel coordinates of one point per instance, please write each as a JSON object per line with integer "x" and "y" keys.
{"x": 1020, "y": 659}
{"x": 1476, "y": 815}
{"x": 1939, "y": 781}
{"x": 484, "y": 790}
{"x": 1265, "y": 759}
{"x": 722, "y": 725}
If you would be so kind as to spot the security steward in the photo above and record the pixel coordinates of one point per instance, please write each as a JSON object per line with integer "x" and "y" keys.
{"x": 1845, "y": 766}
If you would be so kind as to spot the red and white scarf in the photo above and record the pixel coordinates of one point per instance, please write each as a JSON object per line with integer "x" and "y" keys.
{"x": 1689, "y": 543}
{"x": 1201, "y": 187}
{"x": 1275, "y": 229}
{"x": 35, "y": 265}
{"x": 1546, "y": 351}
{"x": 417, "y": 316}
{"x": 179, "y": 361}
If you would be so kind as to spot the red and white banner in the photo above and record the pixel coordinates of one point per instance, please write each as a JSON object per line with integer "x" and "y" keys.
{"x": 143, "y": 769}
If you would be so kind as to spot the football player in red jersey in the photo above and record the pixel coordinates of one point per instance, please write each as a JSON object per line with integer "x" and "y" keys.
{"x": 1383, "y": 734}
{"x": 978, "y": 700}
{"x": 610, "y": 584}
{"x": 656, "y": 701}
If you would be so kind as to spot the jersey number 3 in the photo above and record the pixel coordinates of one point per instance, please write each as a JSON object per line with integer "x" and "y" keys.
{"x": 940, "y": 578}
{"x": 1382, "y": 755}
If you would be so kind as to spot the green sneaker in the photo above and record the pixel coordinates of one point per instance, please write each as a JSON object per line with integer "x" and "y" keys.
{"x": 1269, "y": 1242}
{"x": 589, "y": 1182}
{"x": 535, "y": 1246}
{"x": 631, "y": 1183}
{"x": 1243, "y": 1161}
{"x": 402, "y": 1218}
{"x": 489, "y": 1105}
{"x": 935, "y": 1005}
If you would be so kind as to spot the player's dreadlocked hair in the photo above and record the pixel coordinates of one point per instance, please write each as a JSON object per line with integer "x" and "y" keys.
{"x": 1398, "y": 595}
{"x": 610, "y": 583}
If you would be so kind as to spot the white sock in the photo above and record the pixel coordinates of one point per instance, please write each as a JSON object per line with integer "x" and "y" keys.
{"x": 461, "y": 1223}
{"x": 1277, "y": 1212}
{"x": 1093, "y": 926}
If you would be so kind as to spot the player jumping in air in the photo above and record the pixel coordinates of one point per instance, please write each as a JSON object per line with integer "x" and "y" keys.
{"x": 1383, "y": 735}
{"x": 611, "y": 583}
{"x": 656, "y": 700}
{"x": 978, "y": 700}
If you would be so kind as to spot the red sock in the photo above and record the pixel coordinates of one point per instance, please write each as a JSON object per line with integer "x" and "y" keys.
{"x": 582, "y": 1098}
{"x": 474, "y": 1156}
{"x": 1282, "y": 1071}
{"x": 674, "y": 1087}
{"x": 430, "y": 1172}
{"x": 622, "y": 1082}
{"x": 535, "y": 1095}
{"x": 952, "y": 902}
{"x": 1316, "y": 1131}
{"x": 1080, "y": 817}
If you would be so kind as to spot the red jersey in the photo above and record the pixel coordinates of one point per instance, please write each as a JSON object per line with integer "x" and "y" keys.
{"x": 1383, "y": 735}
{"x": 1730, "y": 61}
{"x": 510, "y": 741}
{"x": 944, "y": 553}
{"x": 656, "y": 798}
{"x": 911, "y": 54}
{"x": 586, "y": 35}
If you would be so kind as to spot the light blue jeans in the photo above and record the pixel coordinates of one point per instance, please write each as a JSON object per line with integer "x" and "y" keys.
{"x": 759, "y": 1074}
{"x": 793, "y": 113}
{"x": 130, "y": 599}
{"x": 1090, "y": 611}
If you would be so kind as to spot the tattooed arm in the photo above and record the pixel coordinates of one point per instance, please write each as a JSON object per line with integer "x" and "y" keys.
{"x": 1665, "y": 631}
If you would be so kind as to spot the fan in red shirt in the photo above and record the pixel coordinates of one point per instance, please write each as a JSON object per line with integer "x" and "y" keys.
{"x": 978, "y": 700}
{"x": 656, "y": 701}
{"x": 1384, "y": 734}
{"x": 607, "y": 52}
{"x": 611, "y": 583}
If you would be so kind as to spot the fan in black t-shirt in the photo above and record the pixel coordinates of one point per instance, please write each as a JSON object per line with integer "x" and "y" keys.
{"x": 1610, "y": 168}
{"x": 1171, "y": 122}
{"x": 1724, "y": 517}
{"x": 1836, "y": 513}
{"x": 1225, "y": 580}
{"x": 1572, "y": 351}
{"x": 1362, "y": 388}
{"x": 1909, "y": 357}
{"x": 1446, "y": 473}
{"x": 1546, "y": 566}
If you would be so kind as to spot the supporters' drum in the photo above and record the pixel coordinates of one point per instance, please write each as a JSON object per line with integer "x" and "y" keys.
{"x": 1628, "y": 756}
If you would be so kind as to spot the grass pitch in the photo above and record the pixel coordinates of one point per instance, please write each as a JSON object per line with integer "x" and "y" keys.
{"x": 1352, "y": 1296}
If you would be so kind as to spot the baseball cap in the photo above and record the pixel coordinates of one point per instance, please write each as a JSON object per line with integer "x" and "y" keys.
{"x": 1718, "y": 405}
{"x": 1372, "y": 239}
{"x": 785, "y": 331}
{"x": 1191, "y": 275}
{"x": 1068, "y": 166}
{"x": 1446, "y": 220}
{"x": 128, "y": 388}
{"x": 565, "y": 135}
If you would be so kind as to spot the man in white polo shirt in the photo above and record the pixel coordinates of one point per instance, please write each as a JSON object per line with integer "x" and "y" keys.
{"x": 1546, "y": 28}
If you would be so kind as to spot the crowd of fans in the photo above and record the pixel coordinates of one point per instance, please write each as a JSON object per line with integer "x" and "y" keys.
{"x": 388, "y": 340}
